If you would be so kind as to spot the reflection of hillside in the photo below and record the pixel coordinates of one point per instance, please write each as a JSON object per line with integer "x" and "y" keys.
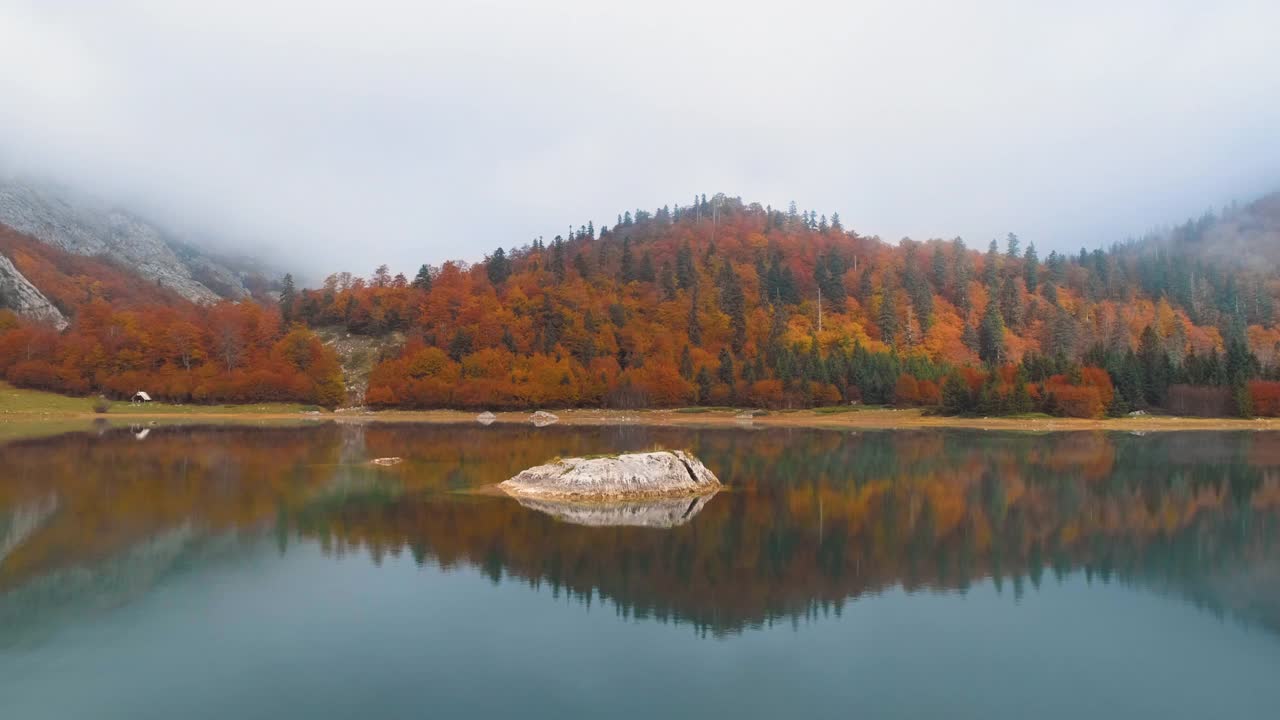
{"x": 812, "y": 518}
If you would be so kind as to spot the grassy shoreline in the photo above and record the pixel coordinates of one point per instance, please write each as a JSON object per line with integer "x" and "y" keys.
{"x": 27, "y": 413}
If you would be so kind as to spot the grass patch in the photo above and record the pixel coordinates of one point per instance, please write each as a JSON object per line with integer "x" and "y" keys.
{"x": 37, "y": 403}
{"x": 704, "y": 409}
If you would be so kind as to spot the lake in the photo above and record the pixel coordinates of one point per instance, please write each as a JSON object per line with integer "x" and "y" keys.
{"x": 256, "y": 572}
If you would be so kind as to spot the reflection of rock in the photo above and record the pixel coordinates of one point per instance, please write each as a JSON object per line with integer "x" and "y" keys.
{"x": 486, "y": 418}
{"x": 655, "y": 513}
{"x": 543, "y": 418}
{"x": 387, "y": 461}
{"x": 636, "y": 475}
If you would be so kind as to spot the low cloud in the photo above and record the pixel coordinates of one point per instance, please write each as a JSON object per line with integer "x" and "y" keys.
{"x": 340, "y": 137}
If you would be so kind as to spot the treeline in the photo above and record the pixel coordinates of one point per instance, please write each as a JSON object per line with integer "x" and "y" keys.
{"x": 128, "y": 335}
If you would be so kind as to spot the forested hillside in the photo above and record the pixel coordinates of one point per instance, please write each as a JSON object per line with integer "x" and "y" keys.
{"x": 722, "y": 303}
{"x": 130, "y": 334}
{"x": 726, "y": 303}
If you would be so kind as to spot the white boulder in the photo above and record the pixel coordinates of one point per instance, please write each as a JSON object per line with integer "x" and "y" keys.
{"x": 616, "y": 477}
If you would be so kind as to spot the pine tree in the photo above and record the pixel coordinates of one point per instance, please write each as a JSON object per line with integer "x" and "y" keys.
{"x": 580, "y": 264}
{"x": 991, "y": 268}
{"x": 646, "y": 273}
{"x": 498, "y": 267}
{"x": 1011, "y": 302}
{"x": 703, "y": 383}
{"x": 667, "y": 280}
{"x": 557, "y": 259}
{"x": 991, "y": 336}
{"x": 1031, "y": 269}
{"x": 686, "y": 364}
{"x": 628, "y": 263}
{"x": 956, "y": 398}
{"x": 939, "y": 268}
{"x": 733, "y": 304}
{"x": 686, "y": 273}
{"x": 422, "y": 280}
{"x": 695, "y": 325}
{"x": 1013, "y": 244}
{"x": 888, "y": 318}
{"x": 725, "y": 372}
{"x": 288, "y": 298}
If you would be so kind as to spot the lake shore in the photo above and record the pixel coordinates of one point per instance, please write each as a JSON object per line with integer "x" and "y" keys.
{"x": 24, "y": 412}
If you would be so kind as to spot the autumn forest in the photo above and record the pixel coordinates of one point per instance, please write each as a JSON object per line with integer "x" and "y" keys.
{"x": 716, "y": 303}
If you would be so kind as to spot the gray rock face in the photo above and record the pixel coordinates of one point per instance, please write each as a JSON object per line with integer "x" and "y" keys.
{"x": 89, "y": 227}
{"x": 619, "y": 477}
{"x": 19, "y": 295}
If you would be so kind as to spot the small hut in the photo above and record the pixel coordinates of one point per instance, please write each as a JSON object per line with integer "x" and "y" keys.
{"x": 139, "y": 398}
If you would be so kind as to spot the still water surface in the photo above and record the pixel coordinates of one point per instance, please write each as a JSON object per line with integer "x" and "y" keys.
{"x": 268, "y": 573}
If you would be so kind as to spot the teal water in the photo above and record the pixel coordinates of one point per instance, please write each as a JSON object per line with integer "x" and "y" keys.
{"x": 272, "y": 573}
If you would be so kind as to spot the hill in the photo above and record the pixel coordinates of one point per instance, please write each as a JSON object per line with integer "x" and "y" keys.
{"x": 723, "y": 302}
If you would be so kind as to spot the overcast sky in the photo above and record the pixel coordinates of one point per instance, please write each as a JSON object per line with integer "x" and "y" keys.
{"x": 342, "y": 135}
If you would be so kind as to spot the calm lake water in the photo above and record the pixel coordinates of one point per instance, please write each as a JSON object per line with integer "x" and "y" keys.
{"x": 273, "y": 573}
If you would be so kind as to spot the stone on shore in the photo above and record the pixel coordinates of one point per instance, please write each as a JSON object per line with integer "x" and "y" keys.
{"x": 542, "y": 418}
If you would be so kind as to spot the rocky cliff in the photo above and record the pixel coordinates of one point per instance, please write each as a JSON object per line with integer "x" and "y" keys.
{"x": 86, "y": 226}
{"x": 19, "y": 295}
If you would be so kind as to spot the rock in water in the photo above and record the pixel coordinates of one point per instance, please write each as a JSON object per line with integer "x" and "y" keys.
{"x": 486, "y": 418}
{"x": 617, "y": 477}
{"x": 655, "y": 513}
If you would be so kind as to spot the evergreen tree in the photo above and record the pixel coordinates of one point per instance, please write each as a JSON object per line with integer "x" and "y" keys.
{"x": 1031, "y": 269}
{"x": 703, "y": 383}
{"x": 991, "y": 268}
{"x": 1011, "y": 303}
{"x": 956, "y": 398}
{"x": 288, "y": 298}
{"x": 580, "y": 265}
{"x": 557, "y": 259}
{"x": 686, "y": 364}
{"x": 991, "y": 347}
{"x": 498, "y": 267}
{"x": 888, "y": 318}
{"x": 725, "y": 372}
{"x": 695, "y": 325}
{"x": 733, "y": 304}
{"x": 939, "y": 268}
{"x": 686, "y": 273}
{"x": 628, "y": 263}
{"x": 667, "y": 280}
{"x": 1012, "y": 243}
{"x": 646, "y": 273}
{"x": 422, "y": 280}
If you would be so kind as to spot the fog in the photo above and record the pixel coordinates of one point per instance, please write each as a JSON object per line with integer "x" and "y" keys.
{"x": 344, "y": 136}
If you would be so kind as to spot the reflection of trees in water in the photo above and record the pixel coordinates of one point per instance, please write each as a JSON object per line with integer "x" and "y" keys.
{"x": 812, "y": 518}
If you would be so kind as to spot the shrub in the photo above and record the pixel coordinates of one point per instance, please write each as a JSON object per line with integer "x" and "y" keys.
{"x": 102, "y": 406}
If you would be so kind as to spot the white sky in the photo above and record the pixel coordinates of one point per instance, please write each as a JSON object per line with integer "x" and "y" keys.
{"x": 342, "y": 136}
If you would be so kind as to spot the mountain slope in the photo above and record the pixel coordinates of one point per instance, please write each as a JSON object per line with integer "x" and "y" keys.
{"x": 18, "y": 294}
{"x": 86, "y": 226}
